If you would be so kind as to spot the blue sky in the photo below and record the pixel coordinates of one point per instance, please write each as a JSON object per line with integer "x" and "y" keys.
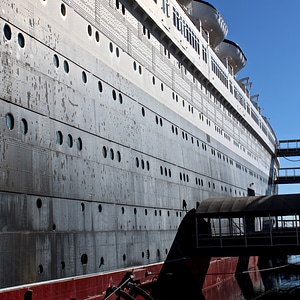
{"x": 268, "y": 32}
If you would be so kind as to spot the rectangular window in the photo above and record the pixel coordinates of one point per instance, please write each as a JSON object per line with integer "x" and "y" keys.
{"x": 204, "y": 54}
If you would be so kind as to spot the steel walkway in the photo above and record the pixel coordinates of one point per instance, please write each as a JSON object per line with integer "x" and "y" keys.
{"x": 288, "y": 148}
{"x": 264, "y": 225}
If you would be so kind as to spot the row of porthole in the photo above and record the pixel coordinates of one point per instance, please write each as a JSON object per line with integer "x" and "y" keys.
{"x": 69, "y": 140}
{"x": 156, "y": 212}
{"x": 90, "y": 33}
{"x": 184, "y": 177}
{"x": 165, "y": 171}
{"x": 24, "y": 129}
{"x": 122, "y": 7}
{"x": 8, "y": 35}
{"x": 39, "y": 204}
{"x": 143, "y": 164}
{"x": 66, "y": 68}
{"x": 154, "y": 82}
{"x": 83, "y": 260}
{"x": 10, "y": 123}
{"x": 185, "y": 137}
{"x": 135, "y": 67}
{"x": 111, "y": 49}
{"x": 190, "y": 107}
{"x": 111, "y": 153}
{"x": 158, "y": 121}
{"x": 120, "y": 97}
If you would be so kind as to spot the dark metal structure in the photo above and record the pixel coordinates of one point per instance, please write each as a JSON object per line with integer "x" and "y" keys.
{"x": 261, "y": 225}
{"x": 288, "y": 148}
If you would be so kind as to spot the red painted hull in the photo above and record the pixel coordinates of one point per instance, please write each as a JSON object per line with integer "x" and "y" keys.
{"x": 82, "y": 287}
{"x": 94, "y": 286}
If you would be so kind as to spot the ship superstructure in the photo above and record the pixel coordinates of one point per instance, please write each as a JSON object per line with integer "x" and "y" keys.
{"x": 117, "y": 118}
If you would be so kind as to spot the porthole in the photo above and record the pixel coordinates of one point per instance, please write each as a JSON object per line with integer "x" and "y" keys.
{"x": 137, "y": 162}
{"x": 148, "y": 165}
{"x": 100, "y": 208}
{"x": 143, "y": 112}
{"x": 140, "y": 70}
{"x": 146, "y": 212}
{"x": 123, "y": 210}
{"x": 100, "y": 88}
{"x": 59, "y": 137}
{"x": 134, "y": 211}
{"x": 70, "y": 140}
{"x": 24, "y": 126}
{"x": 114, "y": 95}
{"x": 21, "y": 40}
{"x": 89, "y": 30}
{"x": 28, "y": 295}
{"x": 63, "y": 265}
{"x": 10, "y": 121}
{"x": 118, "y": 156}
{"x": 55, "y": 61}
{"x": 117, "y": 52}
{"x": 111, "y": 48}
{"x": 111, "y": 154}
{"x": 79, "y": 144}
{"x": 120, "y": 98}
{"x": 84, "y": 259}
{"x": 134, "y": 66}
{"x": 124, "y": 257}
{"x": 66, "y": 67}
{"x": 148, "y": 254}
{"x": 143, "y": 164}
{"x": 162, "y": 87}
{"x": 84, "y": 77}
{"x": 7, "y": 32}
{"x": 53, "y": 226}
{"x": 153, "y": 80}
{"x": 82, "y": 206}
{"x": 39, "y": 203}
{"x": 101, "y": 261}
{"x": 97, "y": 36}
{"x": 104, "y": 152}
{"x": 63, "y": 9}
{"x": 40, "y": 269}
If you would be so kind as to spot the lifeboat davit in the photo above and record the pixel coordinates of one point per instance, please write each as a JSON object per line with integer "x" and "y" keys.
{"x": 231, "y": 53}
{"x": 210, "y": 19}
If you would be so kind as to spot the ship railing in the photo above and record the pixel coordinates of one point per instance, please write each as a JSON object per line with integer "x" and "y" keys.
{"x": 289, "y": 173}
{"x": 257, "y": 232}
